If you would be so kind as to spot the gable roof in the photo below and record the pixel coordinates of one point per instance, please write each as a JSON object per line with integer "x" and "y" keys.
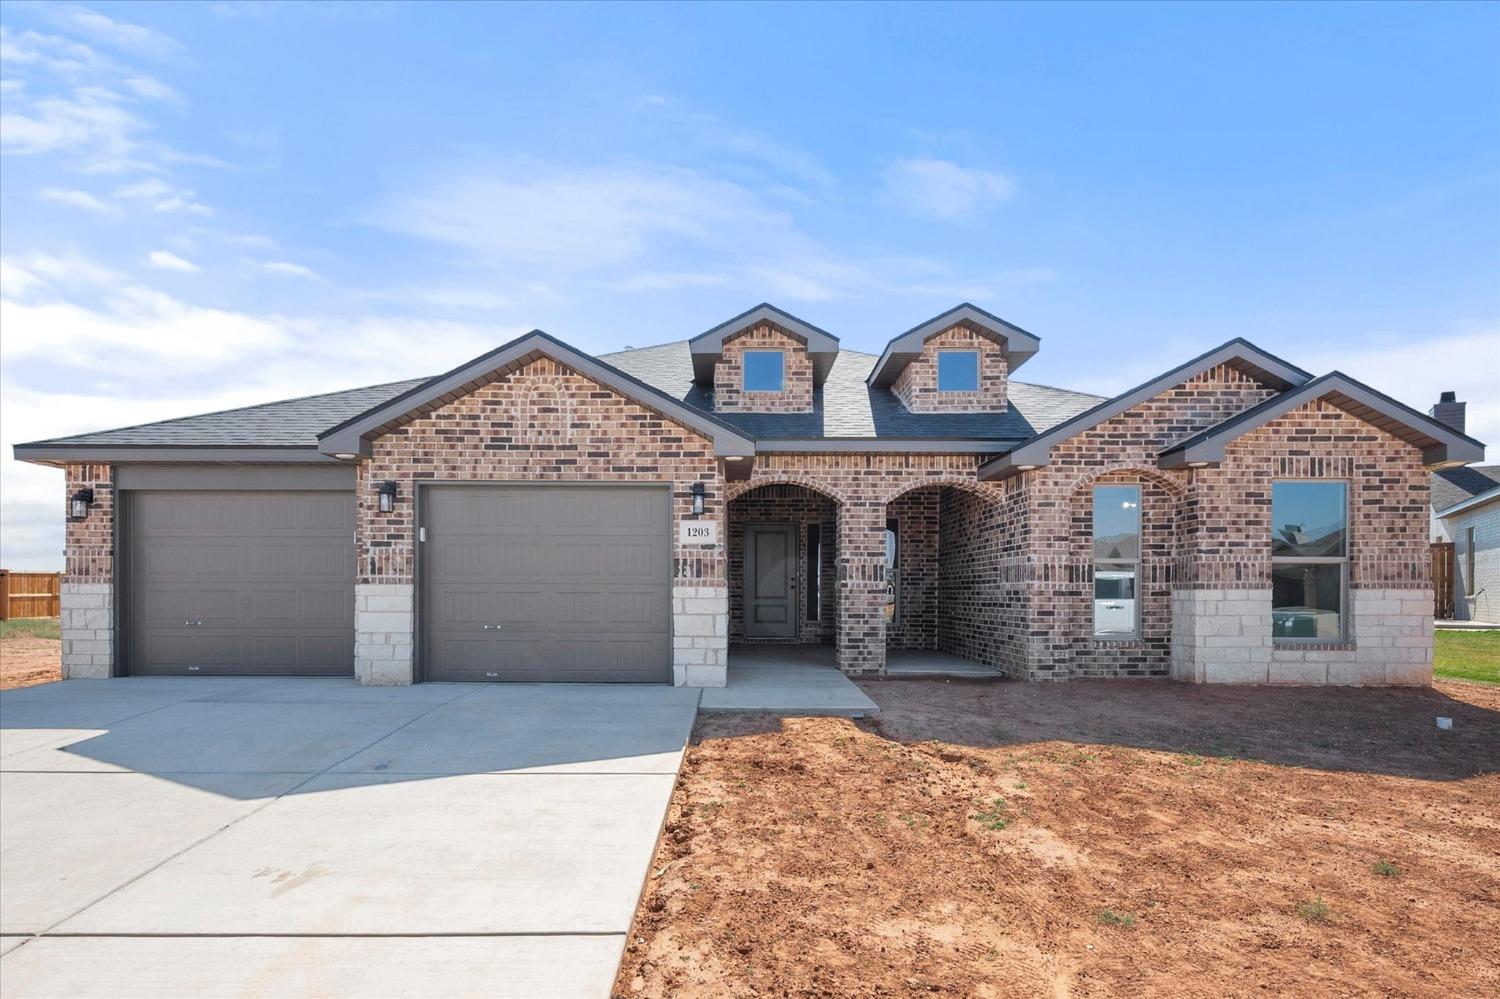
{"x": 707, "y": 347}
{"x": 1238, "y": 353}
{"x": 353, "y": 435}
{"x": 847, "y": 409}
{"x": 901, "y": 351}
{"x": 1439, "y": 442}
{"x": 1452, "y": 486}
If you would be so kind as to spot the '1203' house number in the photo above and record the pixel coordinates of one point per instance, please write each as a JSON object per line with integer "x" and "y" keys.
{"x": 698, "y": 532}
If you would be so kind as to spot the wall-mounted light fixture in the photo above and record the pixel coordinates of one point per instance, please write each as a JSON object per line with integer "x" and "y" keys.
{"x": 78, "y": 504}
{"x": 1197, "y": 464}
{"x": 387, "y": 496}
{"x": 697, "y": 498}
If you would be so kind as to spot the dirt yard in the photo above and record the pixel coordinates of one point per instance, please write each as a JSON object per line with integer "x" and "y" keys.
{"x": 26, "y": 659}
{"x": 1087, "y": 839}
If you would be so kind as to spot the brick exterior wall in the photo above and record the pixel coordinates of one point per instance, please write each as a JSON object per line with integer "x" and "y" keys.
{"x": 548, "y": 423}
{"x": 797, "y": 387}
{"x": 917, "y": 384}
{"x": 87, "y": 587}
{"x": 916, "y": 516}
{"x": 984, "y": 577}
{"x": 802, "y": 507}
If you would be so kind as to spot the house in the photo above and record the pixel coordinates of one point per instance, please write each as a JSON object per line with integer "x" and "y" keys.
{"x": 541, "y": 514}
{"x": 1466, "y": 512}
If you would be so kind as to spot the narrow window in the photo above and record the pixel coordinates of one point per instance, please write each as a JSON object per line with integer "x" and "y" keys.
{"x": 1469, "y": 562}
{"x": 892, "y": 572}
{"x": 958, "y": 370}
{"x": 1117, "y": 561}
{"x": 814, "y": 571}
{"x": 765, "y": 370}
{"x": 1309, "y": 561}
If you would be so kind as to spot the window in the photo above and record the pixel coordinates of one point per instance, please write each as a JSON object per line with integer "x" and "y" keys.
{"x": 958, "y": 370}
{"x": 1469, "y": 562}
{"x": 765, "y": 370}
{"x": 814, "y": 585}
{"x": 1309, "y": 561}
{"x": 1117, "y": 561}
{"x": 892, "y": 572}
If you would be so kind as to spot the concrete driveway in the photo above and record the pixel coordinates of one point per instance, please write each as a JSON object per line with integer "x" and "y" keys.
{"x": 268, "y": 837}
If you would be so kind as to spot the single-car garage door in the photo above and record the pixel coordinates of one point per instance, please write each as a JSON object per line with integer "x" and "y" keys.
{"x": 547, "y": 583}
{"x": 239, "y": 583}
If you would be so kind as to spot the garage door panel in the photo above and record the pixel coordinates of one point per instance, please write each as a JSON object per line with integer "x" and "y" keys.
{"x": 269, "y": 575}
{"x": 577, "y": 578}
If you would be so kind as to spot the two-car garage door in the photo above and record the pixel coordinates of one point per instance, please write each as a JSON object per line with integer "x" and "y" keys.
{"x": 518, "y": 582}
{"x": 239, "y": 583}
{"x": 547, "y": 583}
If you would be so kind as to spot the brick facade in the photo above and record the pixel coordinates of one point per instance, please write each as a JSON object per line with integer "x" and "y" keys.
{"x": 547, "y": 423}
{"x": 729, "y": 373}
{"x": 917, "y": 384}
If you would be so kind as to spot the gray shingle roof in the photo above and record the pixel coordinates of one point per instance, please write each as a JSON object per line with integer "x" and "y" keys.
{"x": 845, "y": 407}
{"x": 1452, "y": 486}
{"x": 289, "y": 423}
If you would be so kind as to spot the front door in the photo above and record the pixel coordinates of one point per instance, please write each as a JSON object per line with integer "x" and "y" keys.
{"x": 771, "y": 581}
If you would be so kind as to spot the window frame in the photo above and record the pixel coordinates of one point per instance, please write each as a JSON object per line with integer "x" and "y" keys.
{"x": 745, "y": 370}
{"x": 946, "y": 351}
{"x": 813, "y": 588}
{"x": 893, "y": 571}
{"x": 1342, "y": 561}
{"x": 1115, "y": 564}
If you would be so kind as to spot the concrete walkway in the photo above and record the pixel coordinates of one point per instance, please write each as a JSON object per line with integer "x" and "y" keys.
{"x": 787, "y": 679}
{"x": 173, "y": 837}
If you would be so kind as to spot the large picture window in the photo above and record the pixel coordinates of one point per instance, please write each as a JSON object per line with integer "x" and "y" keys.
{"x": 1309, "y": 561}
{"x": 765, "y": 370}
{"x": 1117, "y": 561}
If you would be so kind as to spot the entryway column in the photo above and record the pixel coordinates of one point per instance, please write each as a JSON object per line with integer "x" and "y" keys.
{"x": 861, "y": 568}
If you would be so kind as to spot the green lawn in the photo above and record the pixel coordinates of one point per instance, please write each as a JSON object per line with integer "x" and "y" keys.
{"x": 1468, "y": 655}
{"x": 35, "y": 627}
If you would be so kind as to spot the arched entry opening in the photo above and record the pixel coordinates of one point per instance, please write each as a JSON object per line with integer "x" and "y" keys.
{"x": 781, "y": 548}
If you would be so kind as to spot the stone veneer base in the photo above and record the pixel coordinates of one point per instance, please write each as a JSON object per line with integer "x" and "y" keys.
{"x": 384, "y": 633}
{"x": 700, "y": 636}
{"x": 1224, "y": 636}
{"x": 88, "y": 630}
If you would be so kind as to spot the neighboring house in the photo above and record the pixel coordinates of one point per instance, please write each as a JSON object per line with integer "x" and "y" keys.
{"x": 541, "y": 514}
{"x": 1466, "y": 511}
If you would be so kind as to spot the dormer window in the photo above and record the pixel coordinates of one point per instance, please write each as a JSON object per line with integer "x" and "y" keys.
{"x": 765, "y": 370}
{"x": 958, "y": 370}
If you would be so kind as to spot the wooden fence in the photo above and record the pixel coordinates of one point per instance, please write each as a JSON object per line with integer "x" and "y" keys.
{"x": 1442, "y": 580}
{"x": 30, "y": 594}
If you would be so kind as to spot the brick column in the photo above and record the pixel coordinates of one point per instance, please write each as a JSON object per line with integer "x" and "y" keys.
{"x": 88, "y": 589}
{"x": 861, "y": 569}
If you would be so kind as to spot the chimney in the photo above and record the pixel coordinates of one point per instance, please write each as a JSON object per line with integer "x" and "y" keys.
{"x": 1449, "y": 411}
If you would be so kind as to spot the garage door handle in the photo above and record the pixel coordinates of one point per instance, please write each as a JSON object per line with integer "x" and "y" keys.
{"x": 492, "y": 627}
{"x": 193, "y": 624}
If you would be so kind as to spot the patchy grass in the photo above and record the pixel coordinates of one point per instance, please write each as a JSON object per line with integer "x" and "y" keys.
{"x": 31, "y": 627}
{"x": 1386, "y": 869}
{"x": 1109, "y": 917}
{"x": 1315, "y": 911}
{"x": 994, "y": 817}
{"x": 1467, "y": 655}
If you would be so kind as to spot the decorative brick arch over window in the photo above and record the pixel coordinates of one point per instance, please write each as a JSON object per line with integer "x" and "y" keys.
{"x": 544, "y": 410}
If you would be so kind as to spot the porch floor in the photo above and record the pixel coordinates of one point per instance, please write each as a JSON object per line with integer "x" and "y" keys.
{"x": 915, "y": 662}
{"x": 788, "y": 680}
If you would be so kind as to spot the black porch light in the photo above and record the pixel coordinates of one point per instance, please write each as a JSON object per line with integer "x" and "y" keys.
{"x": 387, "y": 496}
{"x": 78, "y": 504}
{"x": 697, "y": 498}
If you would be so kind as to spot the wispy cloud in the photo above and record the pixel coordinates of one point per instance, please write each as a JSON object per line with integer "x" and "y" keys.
{"x": 285, "y": 268}
{"x": 77, "y": 199}
{"x": 165, "y": 260}
{"x": 105, "y": 30}
{"x": 942, "y": 190}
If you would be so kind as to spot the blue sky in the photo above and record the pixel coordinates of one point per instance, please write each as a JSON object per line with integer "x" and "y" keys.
{"x": 209, "y": 205}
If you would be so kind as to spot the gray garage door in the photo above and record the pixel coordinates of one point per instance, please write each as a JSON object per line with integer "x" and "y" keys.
{"x": 239, "y": 583}
{"x": 547, "y": 583}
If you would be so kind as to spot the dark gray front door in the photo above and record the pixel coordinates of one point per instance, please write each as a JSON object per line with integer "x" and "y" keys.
{"x": 770, "y": 581}
{"x": 547, "y": 582}
{"x": 239, "y": 583}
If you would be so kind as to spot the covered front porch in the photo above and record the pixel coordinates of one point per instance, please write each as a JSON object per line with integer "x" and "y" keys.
{"x": 905, "y": 586}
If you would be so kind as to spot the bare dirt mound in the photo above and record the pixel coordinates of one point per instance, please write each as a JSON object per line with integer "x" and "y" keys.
{"x": 1083, "y": 839}
{"x": 25, "y": 661}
